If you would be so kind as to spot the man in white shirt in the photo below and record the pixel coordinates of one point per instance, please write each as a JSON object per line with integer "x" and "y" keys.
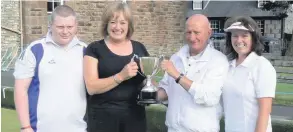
{"x": 193, "y": 81}
{"x": 50, "y": 94}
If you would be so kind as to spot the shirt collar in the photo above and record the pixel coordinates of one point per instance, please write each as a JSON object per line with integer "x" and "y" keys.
{"x": 249, "y": 61}
{"x": 74, "y": 41}
{"x": 202, "y": 56}
{"x": 196, "y": 57}
{"x": 233, "y": 63}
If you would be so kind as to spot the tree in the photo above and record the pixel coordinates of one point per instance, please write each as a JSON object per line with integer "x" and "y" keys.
{"x": 281, "y": 9}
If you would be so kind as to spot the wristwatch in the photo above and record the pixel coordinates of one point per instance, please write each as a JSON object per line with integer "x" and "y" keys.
{"x": 178, "y": 78}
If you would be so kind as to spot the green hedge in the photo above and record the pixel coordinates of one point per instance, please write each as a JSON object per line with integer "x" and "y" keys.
{"x": 156, "y": 117}
{"x": 8, "y": 102}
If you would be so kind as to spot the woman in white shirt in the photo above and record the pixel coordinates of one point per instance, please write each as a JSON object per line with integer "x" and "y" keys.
{"x": 251, "y": 81}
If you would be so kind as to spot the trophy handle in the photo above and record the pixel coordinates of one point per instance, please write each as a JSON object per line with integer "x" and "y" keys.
{"x": 161, "y": 58}
{"x": 137, "y": 57}
{"x": 141, "y": 74}
{"x": 133, "y": 57}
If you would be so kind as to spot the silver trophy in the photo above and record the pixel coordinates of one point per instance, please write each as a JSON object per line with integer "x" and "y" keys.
{"x": 149, "y": 67}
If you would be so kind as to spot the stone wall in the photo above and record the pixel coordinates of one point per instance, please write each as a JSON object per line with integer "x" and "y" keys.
{"x": 288, "y": 22}
{"x": 283, "y": 66}
{"x": 158, "y": 24}
{"x": 273, "y": 28}
{"x": 35, "y": 20}
{"x": 89, "y": 18}
{"x": 10, "y": 22}
{"x": 289, "y": 30}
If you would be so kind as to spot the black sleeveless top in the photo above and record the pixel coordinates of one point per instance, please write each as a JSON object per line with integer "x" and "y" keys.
{"x": 124, "y": 95}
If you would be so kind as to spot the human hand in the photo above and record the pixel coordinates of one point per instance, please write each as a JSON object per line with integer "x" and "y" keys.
{"x": 130, "y": 70}
{"x": 169, "y": 67}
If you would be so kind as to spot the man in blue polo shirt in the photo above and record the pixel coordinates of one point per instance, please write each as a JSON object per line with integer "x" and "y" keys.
{"x": 50, "y": 94}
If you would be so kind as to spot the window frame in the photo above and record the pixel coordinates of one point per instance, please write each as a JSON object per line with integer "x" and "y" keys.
{"x": 199, "y": 2}
{"x": 49, "y": 13}
{"x": 261, "y": 25}
{"x": 61, "y": 3}
{"x": 217, "y": 26}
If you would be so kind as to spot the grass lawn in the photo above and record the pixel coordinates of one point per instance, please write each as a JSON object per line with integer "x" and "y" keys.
{"x": 283, "y": 87}
{"x": 286, "y": 67}
{"x": 286, "y": 100}
{"x": 9, "y": 121}
{"x": 284, "y": 94}
{"x": 285, "y": 74}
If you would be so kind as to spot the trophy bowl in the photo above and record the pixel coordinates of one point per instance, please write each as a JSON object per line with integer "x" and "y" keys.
{"x": 149, "y": 67}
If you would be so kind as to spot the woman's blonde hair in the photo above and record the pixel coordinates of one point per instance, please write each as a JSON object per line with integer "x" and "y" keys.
{"x": 111, "y": 10}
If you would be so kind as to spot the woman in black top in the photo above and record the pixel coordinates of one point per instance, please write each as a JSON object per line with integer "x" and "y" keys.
{"x": 111, "y": 77}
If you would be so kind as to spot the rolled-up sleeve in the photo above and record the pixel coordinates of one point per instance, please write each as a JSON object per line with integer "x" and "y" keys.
{"x": 207, "y": 91}
{"x": 25, "y": 65}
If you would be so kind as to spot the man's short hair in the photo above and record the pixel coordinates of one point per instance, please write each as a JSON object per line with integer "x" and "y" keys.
{"x": 63, "y": 11}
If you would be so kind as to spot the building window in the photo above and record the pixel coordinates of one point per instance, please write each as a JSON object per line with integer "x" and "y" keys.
{"x": 51, "y": 5}
{"x": 197, "y": 4}
{"x": 260, "y": 3}
{"x": 261, "y": 25}
{"x": 215, "y": 25}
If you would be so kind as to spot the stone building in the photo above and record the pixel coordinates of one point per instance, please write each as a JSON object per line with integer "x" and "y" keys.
{"x": 10, "y": 24}
{"x": 218, "y": 11}
{"x": 158, "y": 24}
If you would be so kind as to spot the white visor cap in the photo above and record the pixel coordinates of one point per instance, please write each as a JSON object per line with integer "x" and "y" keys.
{"x": 238, "y": 26}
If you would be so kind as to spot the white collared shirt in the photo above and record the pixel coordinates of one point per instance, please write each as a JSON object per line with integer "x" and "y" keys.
{"x": 57, "y": 94}
{"x": 72, "y": 43}
{"x": 254, "y": 78}
{"x": 196, "y": 110}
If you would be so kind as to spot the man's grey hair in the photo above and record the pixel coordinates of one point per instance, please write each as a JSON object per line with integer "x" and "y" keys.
{"x": 63, "y": 11}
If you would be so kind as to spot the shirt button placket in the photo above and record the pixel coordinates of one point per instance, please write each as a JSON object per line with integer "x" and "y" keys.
{"x": 188, "y": 63}
{"x": 178, "y": 113}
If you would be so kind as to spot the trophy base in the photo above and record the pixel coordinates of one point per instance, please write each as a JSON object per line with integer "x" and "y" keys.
{"x": 148, "y": 95}
{"x": 147, "y": 98}
{"x": 147, "y": 102}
